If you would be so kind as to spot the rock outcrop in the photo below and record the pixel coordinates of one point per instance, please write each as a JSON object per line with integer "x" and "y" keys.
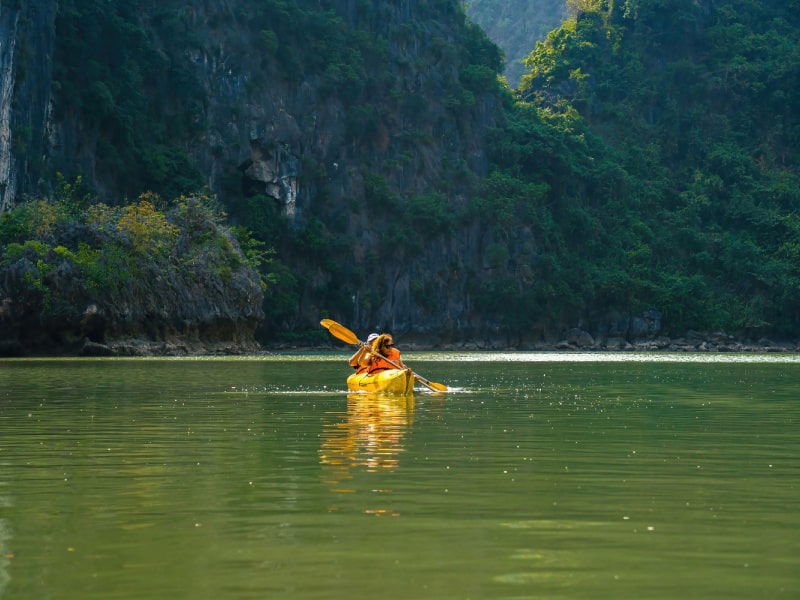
{"x": 87, "y": 290}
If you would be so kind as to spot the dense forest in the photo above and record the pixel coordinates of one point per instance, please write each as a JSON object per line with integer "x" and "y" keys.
{"x": 374, "y": 168}
{"x": 694, "y": 205}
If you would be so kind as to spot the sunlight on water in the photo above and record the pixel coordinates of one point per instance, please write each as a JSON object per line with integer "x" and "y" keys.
{"x": 477, "y": 356}
{"x": 641, "y": 357}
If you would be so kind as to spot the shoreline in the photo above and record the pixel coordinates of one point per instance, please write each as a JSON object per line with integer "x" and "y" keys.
{"x": 328, "y": 353}
{"x": 710, "y": 344}
{"x": 132, "y": 348}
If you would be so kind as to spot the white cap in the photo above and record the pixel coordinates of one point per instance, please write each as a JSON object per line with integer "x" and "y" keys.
{"x": 371, "y": 337}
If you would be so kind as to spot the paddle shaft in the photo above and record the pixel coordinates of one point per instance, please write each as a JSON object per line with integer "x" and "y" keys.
{"x": 419, "y": 378}
{"x": 389, "y": 360}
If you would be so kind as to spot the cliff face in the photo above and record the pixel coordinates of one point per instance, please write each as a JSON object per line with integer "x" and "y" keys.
{"x": 187, "y": 314}
{"x": 27, "y": 36}
{"x": 315, "y": 123}
{"x": 248, "y": 121}
{"x": 8, "y": 40}
{"x": 401, "y": 187}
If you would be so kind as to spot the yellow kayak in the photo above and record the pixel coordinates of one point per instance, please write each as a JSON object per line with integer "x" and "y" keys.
{"x": 390, "y": 381}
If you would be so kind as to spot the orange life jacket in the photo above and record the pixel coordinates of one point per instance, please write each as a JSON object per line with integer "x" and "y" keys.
{"x": 381, "y": 365}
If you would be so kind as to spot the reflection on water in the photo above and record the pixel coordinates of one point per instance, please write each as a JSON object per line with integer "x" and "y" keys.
{"x": 5, "y": 553}
{"x": 369, "y": 434}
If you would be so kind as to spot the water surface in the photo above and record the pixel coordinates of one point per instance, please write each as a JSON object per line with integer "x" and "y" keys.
{"x": 540, "y": 476}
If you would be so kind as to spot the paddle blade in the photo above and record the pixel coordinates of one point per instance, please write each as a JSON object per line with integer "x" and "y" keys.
{"x": 343, "y": 333}
{"x": 326, "y": 323}
{"x": 432, "y": 385}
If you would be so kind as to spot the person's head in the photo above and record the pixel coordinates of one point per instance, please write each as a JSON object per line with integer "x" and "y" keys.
{"x": 371, "y": 337}
{"x": 382, "y": 343}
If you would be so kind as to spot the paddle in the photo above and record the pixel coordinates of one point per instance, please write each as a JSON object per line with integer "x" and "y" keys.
{"x": 343, "y": 333}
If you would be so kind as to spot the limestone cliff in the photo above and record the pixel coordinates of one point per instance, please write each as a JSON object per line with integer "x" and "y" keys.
{"x": 400, "y": 185}
{"x": 27, "y": 36}
{"x": 330, "y": 118}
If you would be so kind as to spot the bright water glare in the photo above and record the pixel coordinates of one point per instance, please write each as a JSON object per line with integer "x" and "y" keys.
{"x": 536, "y": 476}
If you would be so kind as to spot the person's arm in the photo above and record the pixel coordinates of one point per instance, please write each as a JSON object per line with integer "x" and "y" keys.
{"x": 355, "y": 360}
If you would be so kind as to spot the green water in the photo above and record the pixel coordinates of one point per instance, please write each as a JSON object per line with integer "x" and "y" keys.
{"x": 536, "y": 478}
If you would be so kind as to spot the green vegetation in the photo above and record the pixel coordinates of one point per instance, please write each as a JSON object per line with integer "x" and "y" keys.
{"x": 106, "y": 250}
{"x": 134, "y": 73}
{"x": 140, "y": 101}
{"x": 653, "y": 153}
{"x": 123, "y": 68}
{"x": 649, "y": 159}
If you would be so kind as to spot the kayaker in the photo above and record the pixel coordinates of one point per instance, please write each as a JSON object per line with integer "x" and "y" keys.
{"x": 359, "y": 360}
{"x": 384, "y": 345}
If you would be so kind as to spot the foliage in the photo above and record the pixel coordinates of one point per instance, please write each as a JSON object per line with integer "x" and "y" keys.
{"x": 666, "y": 143}
{"x": 147, "y": 229}
{"x": 648, "y": 159}
{"x": 430, "y": 213}
{"x": 111, "y": 70}
{"x": 110, "y": 248}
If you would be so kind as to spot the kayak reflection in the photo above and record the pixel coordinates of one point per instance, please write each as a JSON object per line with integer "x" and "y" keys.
{"x": 371, "y": 434}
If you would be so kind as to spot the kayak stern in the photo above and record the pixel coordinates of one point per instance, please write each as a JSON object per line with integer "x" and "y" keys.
{"x": 390, "y": 381}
